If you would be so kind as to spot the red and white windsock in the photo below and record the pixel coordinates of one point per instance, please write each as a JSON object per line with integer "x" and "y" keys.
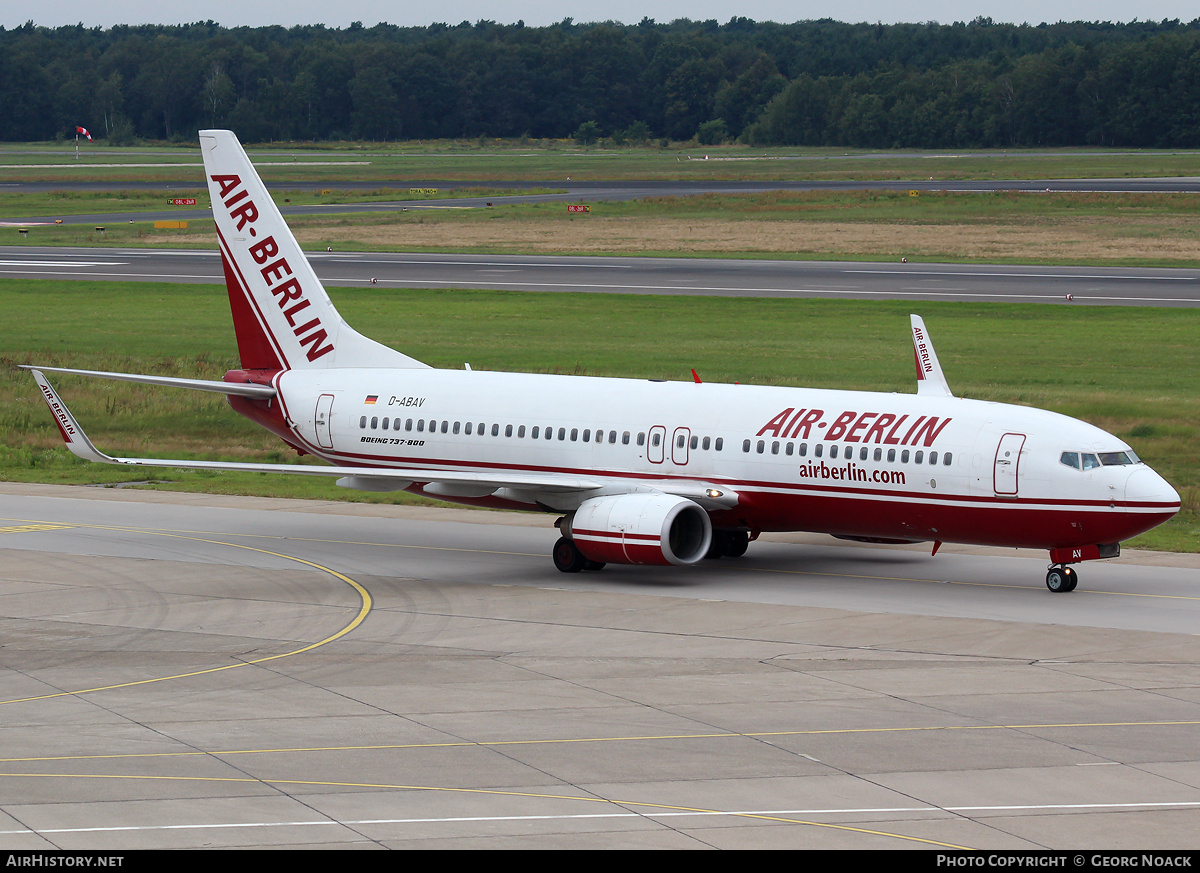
{"x": 84, "y": 131}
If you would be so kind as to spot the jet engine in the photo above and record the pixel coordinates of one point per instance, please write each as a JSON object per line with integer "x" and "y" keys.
{"x": 641, "y": 528}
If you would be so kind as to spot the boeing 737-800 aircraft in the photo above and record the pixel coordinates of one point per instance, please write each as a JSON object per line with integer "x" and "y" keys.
{"x": 644, "y": 472}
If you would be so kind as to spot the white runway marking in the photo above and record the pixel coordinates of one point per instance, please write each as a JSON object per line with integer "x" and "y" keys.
{"x": 750, "y": 813}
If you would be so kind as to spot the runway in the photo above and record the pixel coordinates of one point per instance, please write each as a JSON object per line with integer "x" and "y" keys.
{"x": 1122, "y": 286}
{"x": 195, "y": 670}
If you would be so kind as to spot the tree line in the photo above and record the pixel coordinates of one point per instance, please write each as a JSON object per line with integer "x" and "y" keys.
{"x": 973, "y": 84}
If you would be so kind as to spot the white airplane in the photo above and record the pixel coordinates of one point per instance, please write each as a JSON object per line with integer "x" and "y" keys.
{"x": 644, "y": 471}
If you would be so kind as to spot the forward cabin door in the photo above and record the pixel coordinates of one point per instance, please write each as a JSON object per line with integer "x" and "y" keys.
{"x": 1008, "y": 461}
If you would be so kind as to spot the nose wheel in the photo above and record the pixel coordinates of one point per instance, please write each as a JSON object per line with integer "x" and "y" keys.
{"x": 1060, "y": 579}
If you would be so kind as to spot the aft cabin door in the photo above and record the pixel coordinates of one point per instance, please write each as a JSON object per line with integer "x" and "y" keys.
{"x": 324, "y": 413}
{"x": 1008, "y": 460}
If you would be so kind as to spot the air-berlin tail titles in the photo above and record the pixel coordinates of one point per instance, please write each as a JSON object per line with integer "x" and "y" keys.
{"x": 854, "y": 427}
{"x": 288, "y": 294}
{"x": 921, "y": 353}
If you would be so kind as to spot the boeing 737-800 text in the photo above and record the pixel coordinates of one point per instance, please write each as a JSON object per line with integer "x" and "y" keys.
{"x": 644, "y": 472}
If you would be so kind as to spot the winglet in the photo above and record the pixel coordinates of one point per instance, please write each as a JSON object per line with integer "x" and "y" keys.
{"x": 931, "y": 382}
{"x": 76, "y": 440}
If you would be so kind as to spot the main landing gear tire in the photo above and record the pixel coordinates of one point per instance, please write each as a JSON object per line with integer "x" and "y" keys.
{"x": 728, "y": 544}
{"x": 569, "y": 559}
{"x": 1061, "y": 580}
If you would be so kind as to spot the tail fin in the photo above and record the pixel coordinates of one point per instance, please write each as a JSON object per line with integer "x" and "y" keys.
{"x": 281, "y": 314}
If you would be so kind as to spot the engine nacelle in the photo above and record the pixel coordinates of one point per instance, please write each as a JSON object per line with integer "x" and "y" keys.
{"x": 644, "y": 528}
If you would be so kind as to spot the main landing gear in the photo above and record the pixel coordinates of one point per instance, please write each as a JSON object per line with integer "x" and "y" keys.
{"x": 1060, "y": 579}
{"x": 569, "y": 559}
{"x": 728, "y": 544}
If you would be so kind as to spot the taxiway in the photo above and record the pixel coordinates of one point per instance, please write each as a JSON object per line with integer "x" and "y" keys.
{"x": 195, "y": 670}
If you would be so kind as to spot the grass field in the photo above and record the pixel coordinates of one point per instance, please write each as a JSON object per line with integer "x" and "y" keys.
{"x": 1001, "y": 227}
{"x": 560, "y": 159}
{"x": 1131, "y": 371}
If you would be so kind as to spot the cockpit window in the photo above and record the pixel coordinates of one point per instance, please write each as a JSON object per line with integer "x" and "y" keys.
{"x": 1117, "y": 459}
{"x": 1089, "y": 461}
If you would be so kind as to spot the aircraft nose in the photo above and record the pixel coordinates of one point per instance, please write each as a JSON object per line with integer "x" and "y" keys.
{"x": 1146, "y": 486}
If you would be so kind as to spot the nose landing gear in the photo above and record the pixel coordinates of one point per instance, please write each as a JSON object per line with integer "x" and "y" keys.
{"x": 1060, "y": 579}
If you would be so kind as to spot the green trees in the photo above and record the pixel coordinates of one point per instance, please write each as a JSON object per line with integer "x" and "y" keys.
{"x": 811, "y": 83}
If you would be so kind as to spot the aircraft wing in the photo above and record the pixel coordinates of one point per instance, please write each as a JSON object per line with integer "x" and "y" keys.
{"x": 448, "y": 483}
{"x": 366, "y": 478}
{"x": 242, "y": 389}
{"x": 931, "y": 381}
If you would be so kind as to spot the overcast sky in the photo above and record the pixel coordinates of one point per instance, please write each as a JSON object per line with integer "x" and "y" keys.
{"x": 339, "y": 13}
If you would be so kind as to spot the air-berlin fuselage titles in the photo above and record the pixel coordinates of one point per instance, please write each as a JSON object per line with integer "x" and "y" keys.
{"x": 644, "y": 472}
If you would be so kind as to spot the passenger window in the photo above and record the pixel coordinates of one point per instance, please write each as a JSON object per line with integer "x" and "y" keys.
{"x": 362, "y": 422}
{"x": 508, "y": 430}
{"x": 470, "y": 428}
{"x": 761, "y": 445}
{"x": 745, "y": 445}
{"x": 587, "y": 434}
{"x": 680, "y": 440}
{"x": 408, "y": 424}
{"x": 612, "y": 438}
{"x": 385, "y": 423}
{"x": 696, "y": 442}
{"x": 420, "y": 425}
{"x": 562, "y": 433}
{"x": 719, "y": 444}
{"x": 803, "y": 450}
{"x": 791, "y": 447}
{"x": 904, "y": 457}
{"x": 374, "y": 422}
{"x": 818, "y": 450}
{"x": 521, "y": 432}
{"x": 457, "y": 426}
{"x": 862, "y": 453}
{"x": 445, "y": 426}
{"x": 879, "y": 454}
{"x": 496, "y": 429}
{"x": 946, "y": 459}
{"x": 833, "y": 451}
{"x": 775, "y": 447}
{"x": 574, "y": 434}
{"x": 625, "y": 438}
{"x": 891, "y": 456}
{"x": 655, "y": 439}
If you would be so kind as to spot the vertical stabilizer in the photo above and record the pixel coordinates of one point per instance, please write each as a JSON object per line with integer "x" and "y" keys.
{"x": 931, "y": 381}
{"x": 281, "y": 313}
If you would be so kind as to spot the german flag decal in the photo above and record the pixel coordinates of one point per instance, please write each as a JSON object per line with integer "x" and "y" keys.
{"x": 371, "y": 398}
